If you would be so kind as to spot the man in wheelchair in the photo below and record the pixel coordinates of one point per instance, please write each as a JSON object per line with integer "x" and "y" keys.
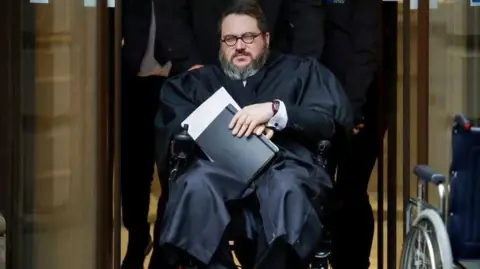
{"x": 296, "y": 103}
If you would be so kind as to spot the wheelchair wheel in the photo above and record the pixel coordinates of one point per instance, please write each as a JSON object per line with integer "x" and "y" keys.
{"x": 427, "y": 244}
{"x": 319, "y": 264}
{"x": 320, "y": 260}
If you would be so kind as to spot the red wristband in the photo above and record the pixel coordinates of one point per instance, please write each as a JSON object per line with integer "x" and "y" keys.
{"x": 275, "y": 106}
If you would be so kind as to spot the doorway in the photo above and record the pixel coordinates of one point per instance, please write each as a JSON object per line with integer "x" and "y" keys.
{"x": 56, "y": 183}
{"x": 440, "y": 58}
{"x": 440, "y": 79}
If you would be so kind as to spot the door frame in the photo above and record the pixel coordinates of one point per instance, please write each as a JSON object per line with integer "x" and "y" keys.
{"x": 10, "y": 120}
{"x": 115, "y": 43}
{"x": 389, "y": 74}
{"x": 423, "y": 83}
{"x": 105, "y": 144}
{"x": 422, "y": 96}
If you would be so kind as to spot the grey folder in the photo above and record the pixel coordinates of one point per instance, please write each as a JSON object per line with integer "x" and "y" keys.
{"x": 245, "y": 156}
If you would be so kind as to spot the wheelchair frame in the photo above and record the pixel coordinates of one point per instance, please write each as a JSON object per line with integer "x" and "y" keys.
{"x": 431, "y": 221}
{"x": 181, "y": 148}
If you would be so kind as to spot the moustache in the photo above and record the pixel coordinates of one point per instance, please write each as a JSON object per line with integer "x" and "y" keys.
{"x": 241, "y": 53}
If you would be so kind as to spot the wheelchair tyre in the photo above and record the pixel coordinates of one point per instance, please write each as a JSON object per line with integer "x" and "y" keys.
{"x": 319, "y": 263}
{"x": 428, "y": 226}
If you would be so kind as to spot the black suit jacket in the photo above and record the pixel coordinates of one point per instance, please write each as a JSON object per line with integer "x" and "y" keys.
{"x": 189, "y": 28}
{"x": 136, "y": 19}
{"x": 351, "y": 46}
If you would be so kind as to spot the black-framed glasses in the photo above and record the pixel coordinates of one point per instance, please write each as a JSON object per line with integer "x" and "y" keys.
{"x": 247, "y": 38}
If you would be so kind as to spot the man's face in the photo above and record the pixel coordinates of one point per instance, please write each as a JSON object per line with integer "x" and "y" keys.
{"x": 243, "y": 46}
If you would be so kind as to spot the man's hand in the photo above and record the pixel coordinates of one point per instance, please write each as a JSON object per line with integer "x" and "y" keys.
{"x": 263, "y": 129}
{"x": 358, "y": 128}
{"x": 249, "y": 118}
{"x": 195, "y": 67}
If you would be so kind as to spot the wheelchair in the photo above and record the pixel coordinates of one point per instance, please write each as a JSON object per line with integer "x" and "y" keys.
{"x": 183, "y": 145}
{"x": 448, "y": 236}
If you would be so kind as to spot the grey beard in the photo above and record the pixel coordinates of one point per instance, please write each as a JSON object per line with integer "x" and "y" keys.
{"x": 242, "y": 73}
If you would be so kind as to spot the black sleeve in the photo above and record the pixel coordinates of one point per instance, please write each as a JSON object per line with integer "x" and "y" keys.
{"x": 177, "y": 101}
{"x": 322, "y": 104}
{"x": 175, "y": 33}
{"x": 365, "y": 34}
{"x": 307, "y": 18}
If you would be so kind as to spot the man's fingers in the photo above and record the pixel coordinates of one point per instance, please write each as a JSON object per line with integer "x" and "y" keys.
{"x": 242, "y": 130}
{"x": 234, "y": 120}
{"x": 236, "y": 129}
{"x": 357, "y": 128}
{"x": 259, "y": 129}
{"x": 269, "y": 133}
{"x": 242, "y": 118}
{"x": 251, "y": 128}
{"x": 195, "y": 67}
{"x": 239, "y": 118}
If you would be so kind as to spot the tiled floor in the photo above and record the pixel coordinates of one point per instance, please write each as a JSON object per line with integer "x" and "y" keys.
{"x": 373, "y": 258}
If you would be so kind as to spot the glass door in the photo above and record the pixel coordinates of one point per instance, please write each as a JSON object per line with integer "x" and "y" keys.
{"x": 441, "y": 58}
{"x": 442, "y": 63}
{"x": 453, "y": 74}
{"x": 56, "y": 170}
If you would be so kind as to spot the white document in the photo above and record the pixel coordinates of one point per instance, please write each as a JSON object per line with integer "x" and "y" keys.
{"x": 199, "y": 120}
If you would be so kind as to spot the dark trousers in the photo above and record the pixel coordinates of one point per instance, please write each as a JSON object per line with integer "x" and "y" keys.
{"x": 139, "y": 104}
{"x": 353, "y": 229}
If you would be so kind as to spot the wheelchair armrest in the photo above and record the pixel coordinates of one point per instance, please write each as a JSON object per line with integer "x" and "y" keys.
{"x": 322, "y": 152}
{"x": 182, "y": 145}
{"x": 181, "y": 149}
{"x": 461, "y": 121}
{"x": 323, "y": 148}
{"x": 427, "y": 173}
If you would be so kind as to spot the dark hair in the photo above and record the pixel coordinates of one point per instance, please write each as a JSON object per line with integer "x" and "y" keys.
{"x": 246, "y": 7}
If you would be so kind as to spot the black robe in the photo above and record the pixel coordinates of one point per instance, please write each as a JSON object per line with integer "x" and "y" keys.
{"x": 197, "y": 216}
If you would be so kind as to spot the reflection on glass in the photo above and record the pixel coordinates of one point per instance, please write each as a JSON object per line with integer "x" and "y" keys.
{"x": 58, "y": 157}
{"x": 454, "y": 63}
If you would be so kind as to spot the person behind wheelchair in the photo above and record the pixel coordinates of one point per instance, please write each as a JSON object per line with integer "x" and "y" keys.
{"x": 293, "y": 101}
